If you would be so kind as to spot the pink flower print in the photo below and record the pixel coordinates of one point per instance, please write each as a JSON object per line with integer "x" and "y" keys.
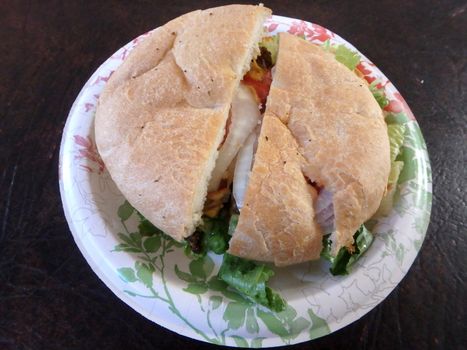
{"x": 272, "y": 27}
{"x": 299, "y": 28}
{"x": 320, "y": 33}
{"x": 361, "y": 67}
{"x": 366, "y": 73}
{"x": 309, "y": 31}
{"x": 399, "y": 105}
{"x": 88, "y": 151}
{"x": 88, "y": 106}
{"x": 102, "y": 78}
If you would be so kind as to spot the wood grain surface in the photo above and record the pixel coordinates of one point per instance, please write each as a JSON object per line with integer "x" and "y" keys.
{"x": 50, "y": 298}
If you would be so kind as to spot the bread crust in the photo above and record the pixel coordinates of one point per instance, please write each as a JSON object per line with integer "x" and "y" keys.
{"x": 161, "y": 117}
{"x": 339, "y": 128}
{"x": 277, "y": 220}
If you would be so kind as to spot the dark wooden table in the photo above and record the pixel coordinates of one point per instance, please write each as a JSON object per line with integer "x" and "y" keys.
{"x": 50, "y": 298}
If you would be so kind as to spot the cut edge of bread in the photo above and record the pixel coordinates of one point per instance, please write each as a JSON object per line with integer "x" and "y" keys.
{"x": 200, "y": 197}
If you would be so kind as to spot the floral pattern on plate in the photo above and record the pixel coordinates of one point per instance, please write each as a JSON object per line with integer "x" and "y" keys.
{"x": 154, "y": 277}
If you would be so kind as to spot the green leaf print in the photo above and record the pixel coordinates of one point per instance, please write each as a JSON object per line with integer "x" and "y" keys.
{"x": 409, "y": 171}
{"x": 234, "y": 314}
{"x": 152, "y": 244}
{"x": 144, "y": 274}
{"x": 215, "y": 301}
{"x": 144, "y": 242}
{"x": 257, "y": 342}
{"x": 241, "y": 342}
{"x": 125, "y": 211}
{"x": 319, "y": 326}
{"x": 272, "y": 322}
{"x": 251, "y": 322}
{"x": 196, "y": 288}
{"x": 299, "y": 325}
{"x": 400, "y": 252}
{"x": 184, "y": 276}
{"x": 126, "y": 239}
{"x": 127, "y": 274}
{"x": 202, "y": 267}
{"x": 136, "y": 238}
{"x": 217, "y": 284}
{"x": 238, "y": 313}
{"x": 123, "y": 247}
{"x": 287, "y": 315}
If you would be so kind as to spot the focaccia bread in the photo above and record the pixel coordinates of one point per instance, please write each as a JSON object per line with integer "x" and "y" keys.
{"x": 339, "y": 128}
{"x": 277, "y": 220}
{"x": 162, "y": 115}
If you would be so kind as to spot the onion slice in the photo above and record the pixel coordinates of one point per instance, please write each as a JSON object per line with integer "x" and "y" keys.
{"x": 245, "y": 115}
{"x": 324, "y": 211}
{"x": 243, "y": 170}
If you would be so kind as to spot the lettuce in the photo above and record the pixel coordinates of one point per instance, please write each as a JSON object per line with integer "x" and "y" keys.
{"x": 341, "y": 263}
{"x": 378, "y": 94}
{"x": 396, "y": 168}
{"x": 247, "y": 277}
{"x": 250, "y": 278}
{"x": 396, "y": 134}
{"x": 388, "y": 200}
{"x": 213, "y": 236}
{"x": 396, "y": 118}
{"x": 271, "y": 43}
{"x": 233, "y": 223}
{"x": 347, "y": 57}
{"x": 343, "y": 54}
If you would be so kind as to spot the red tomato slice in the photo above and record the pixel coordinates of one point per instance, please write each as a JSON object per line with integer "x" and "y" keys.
{"x": 261, "y": 87}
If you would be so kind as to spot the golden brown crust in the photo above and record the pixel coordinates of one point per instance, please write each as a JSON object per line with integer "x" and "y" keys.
{"x": 339, "y": 128}
{"x": 162, "y": 114}
{"x": 277, "y": 220}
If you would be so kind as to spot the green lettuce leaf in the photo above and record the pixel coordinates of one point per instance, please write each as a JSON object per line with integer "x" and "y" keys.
{"x": 233, "y": 223}
{"x": 343, "y": 54}
{"x": 396, "y": 168}
{"x": 388, "y": 200}
{"x": 212, "y": 236}
{"x": 396, "y": 118}
{"x": 271, "y": 43}
{"x": 216, "y": 237}
{"x": 250, "y": 279}
{"x": 347, "y": 57}
{"x": 341, "y": 263}
{"x": 378, "y": 94}
{"x": 396, "y": 134}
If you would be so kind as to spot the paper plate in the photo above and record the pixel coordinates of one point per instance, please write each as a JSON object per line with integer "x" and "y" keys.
{"x": 154, "y": 277}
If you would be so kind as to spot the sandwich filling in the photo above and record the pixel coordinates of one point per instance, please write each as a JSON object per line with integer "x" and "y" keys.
{"x": 237, "y": 151}
{"x": 230, "y": 178}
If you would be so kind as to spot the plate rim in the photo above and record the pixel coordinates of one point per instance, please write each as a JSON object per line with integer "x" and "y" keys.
{"x": 168, "y": 324}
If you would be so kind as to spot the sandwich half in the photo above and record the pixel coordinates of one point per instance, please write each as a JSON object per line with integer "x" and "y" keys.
{"x": 322, "y": 162}
{"x": 163, "y": 115}
{"x": 197, "y": 122}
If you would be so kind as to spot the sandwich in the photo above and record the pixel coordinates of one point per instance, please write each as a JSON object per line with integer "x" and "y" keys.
{"x": 264, "y": 149}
